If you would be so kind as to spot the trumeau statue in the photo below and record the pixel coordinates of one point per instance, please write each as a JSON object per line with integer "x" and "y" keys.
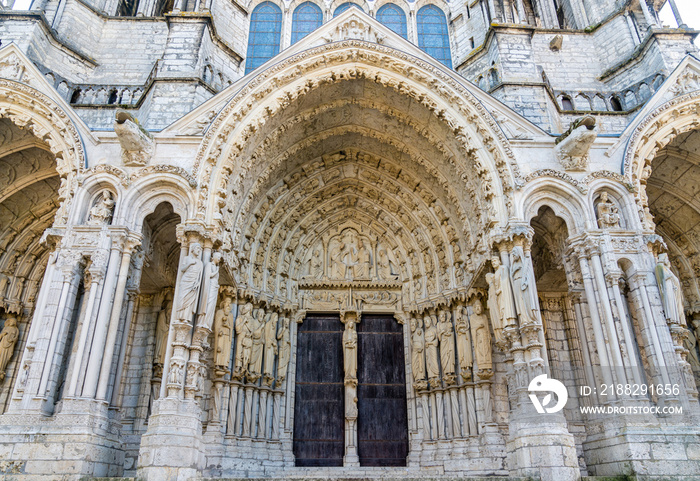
{"x": 670, "y": 289}
{"x": 482, "y": 341}
{"x": 8, "y": 339}
{"x": 350, "y": 350}
{"x": 256, "y": 353}
{"x": 431, "y": 356}
{"x": 244, "y": 340}
{"x": 447, "y": 346}
{"x": 210, "y": 292}
{"x": 417, "y": 350}
{"x": 464, "y": 345}
{"x": 523, "y": 287}
{"x": 162, "y": 329}
{"x": 223, "y": 333}
{"x": 285, "y": 349}
{"x": 608, "y": 213}
{"x": 190, "y": 282}
{"x": 270, "y": 342}
{"x": 101, "y": 213}
{"x": 495, "y": 310}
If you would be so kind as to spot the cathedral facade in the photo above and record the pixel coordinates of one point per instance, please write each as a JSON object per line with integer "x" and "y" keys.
{"x": 301, "y": 238}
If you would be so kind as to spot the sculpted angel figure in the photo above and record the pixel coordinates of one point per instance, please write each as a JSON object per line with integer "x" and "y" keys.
{"x": 210, "y": 291}
{"x": 447, "y": 345}
{"x": 431, "y": 356}
{"x": 523, "y": 287}
{"x": 190, "y": 282}
{"x": 244, "y": 340}
{"x": 350, "y": 350}
{"x": 8, "y": 339}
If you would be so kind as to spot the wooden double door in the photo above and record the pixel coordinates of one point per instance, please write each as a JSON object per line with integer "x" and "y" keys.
{"x": 319, "y": 413}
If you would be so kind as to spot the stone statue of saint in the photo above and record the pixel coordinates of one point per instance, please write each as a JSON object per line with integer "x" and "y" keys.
{"x": 363, "y": 269}
{"x": 190, "y": 281}
{"x": 692, "y": 345}
{"x": 383, "y": 265}
{"x": 270, "y": 342}
{"x": 244, "y": 340}
{"x": 464, "y": 344}
{"x": 101, "y": 212}
{"x": 523, "y": 287}
{"x": 350, "y": 401}
{"x": 8, "y": 339}
{"x": 670, "y": 289}
{"x": 256, "y": 352}
{"x": 447, "y": 346}
{"x": 285, "y": 349}
{"x": 350, "y": 350}
{"x": 337, "y": 265}
{"x": 431, "y": 357}
{"x": 223, "y": 333}
{"x": 482, "y": 340}
{"x": 608, "y": 213}
{"x": 417, "y": 348}
{"x": 495, "y": 310}
{"x": 210, "y": 292}
{"x": 162, "y": 330}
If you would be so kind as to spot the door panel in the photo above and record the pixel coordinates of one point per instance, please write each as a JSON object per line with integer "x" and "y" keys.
{"x": 382, "y": 418}
{"x": 318, "y": 405}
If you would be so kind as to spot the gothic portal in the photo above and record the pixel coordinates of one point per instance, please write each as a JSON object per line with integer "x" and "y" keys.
{"x": 381, "y": 239}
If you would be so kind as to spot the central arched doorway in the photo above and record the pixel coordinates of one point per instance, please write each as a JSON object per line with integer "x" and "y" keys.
{"x": 362, "y": 190}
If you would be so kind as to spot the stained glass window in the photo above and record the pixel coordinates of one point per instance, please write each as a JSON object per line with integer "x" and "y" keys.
{"x": 432, "y": 34}
{"x": 264, "y": 36}
{"x": 307, "y": 17}
{"x": 393, "y": 17}
{"x": 344, "y": 7}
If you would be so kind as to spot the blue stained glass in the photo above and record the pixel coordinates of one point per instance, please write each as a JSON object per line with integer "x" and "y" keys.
{"x": 432, "y": 34}
{"x": 344, "y": 7}
{"x": 393, "y": 17}
{"x": 264, "y": 35}
{"x": 306, "y": 18}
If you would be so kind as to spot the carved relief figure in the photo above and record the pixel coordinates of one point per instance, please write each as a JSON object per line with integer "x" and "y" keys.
{"x": 692, "y": 345}
{"x": 8, "y": 339}
{"x": 316, "y": 264}
{"x": 523, "y": 287}
{"x": 496, "y": 311}
{"x": 256, "y": 352}
{"x": 162, "y": 328}
{"x": 447, "y": 346}
{"x": 464, "y": 344}
{"x": 350, "y": 256}
{"x": 190, "y": 281}
{"x": 364, "y": 262}
{"x": 210, "y": 292}
{"x": 223, "y": 333}
{"x": 670, "y": 289}
{"x": 383, "y": 265}
{"x": 244, "y": 340}
{"x": 350, "y": 350}
{"x": 417, "y": 353}
{"x": 269, "y": 333}
{"x": 608, "y": 213}
{"x": 431, "y": 356}
{"x": 482, "y": 340}
{"x": 101, "y": 213}
{"x": 285, "y": 350}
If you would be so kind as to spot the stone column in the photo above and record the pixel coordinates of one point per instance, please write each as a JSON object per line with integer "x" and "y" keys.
{"x": 350, "y": 319}
{"x": 676, "y": 14}
{"x": 651, "y": 22}
{"x": 630, "y": 341}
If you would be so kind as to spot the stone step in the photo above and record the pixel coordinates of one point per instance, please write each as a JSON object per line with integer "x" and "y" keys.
{"x": 378, "y": 475}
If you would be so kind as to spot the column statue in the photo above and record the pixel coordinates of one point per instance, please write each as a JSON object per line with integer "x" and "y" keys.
{"x": 482, "y": 340}
{"x": 190, "y": 281}
{"x": 417, "y": 354}
{"x": 670, "y": 289}
{"x": 447, "y": 347}
{"x": 162, "y": 330}
{"x": 285, "y": 349}
{"x": 8, "y": 339}
{"x": 244, "y": 340}
{"x": 223, "y": 331}
{"x": 431, "y": 355}
{"x": 523, "y": 287}
{"x": 350, "y": 350}
{"x": 464, "y": 344}
{"x": 496, "y": 311}
{"x": 101, "y": 212}
{"x": 692, "y": 344}
{"x": 256, "y": 353}
{"x": 270, "y": 342}
{"x": 210, "y": 292}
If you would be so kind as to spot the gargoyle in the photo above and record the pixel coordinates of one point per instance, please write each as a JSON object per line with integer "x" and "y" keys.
{"x": 137, "y": 144}
{"x": 573, "y": 145}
